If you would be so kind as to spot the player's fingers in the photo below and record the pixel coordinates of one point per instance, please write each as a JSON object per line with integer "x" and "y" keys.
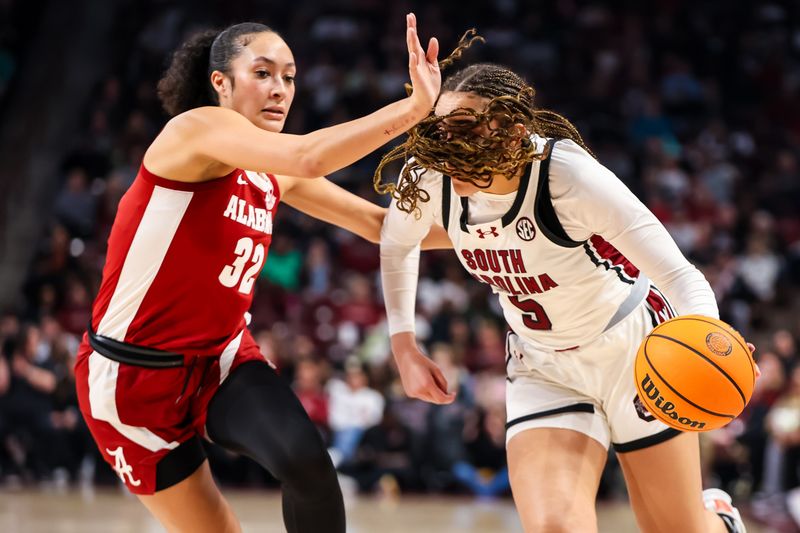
{"x": 412, "y": 60}
{"x": 751, "y": 347}
{"x": 439, "y": 379}
{"x": 442, "y": 396}
{"x": 433, "y": 51}
{"x": 758, "y": 372}
{"x": 438, "y": 397}
{"x": 412, "y": 38}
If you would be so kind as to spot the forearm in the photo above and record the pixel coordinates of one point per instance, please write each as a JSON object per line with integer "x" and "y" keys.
{"x": 651, "y": 249}
{"x": 399, "y": 274}
{"x": 329, "y": 149}
{"x": 401, "y": 236}
{"x": 218, "y": 135}
{"x": 326, "y": 201}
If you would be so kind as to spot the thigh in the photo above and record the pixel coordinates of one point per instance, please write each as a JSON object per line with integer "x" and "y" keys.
{"x": 256, "y": 413}
{"x": 665, "y": 487}
{"x": 193, "y": 505}
{"x": 554, "y": 476}
{"x": 533, "y": 400}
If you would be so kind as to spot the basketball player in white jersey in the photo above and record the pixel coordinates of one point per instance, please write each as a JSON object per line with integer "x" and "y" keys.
{"x": 556, "y": 235}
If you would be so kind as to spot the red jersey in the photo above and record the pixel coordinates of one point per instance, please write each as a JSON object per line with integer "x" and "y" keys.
{"x": 183, "y": 259}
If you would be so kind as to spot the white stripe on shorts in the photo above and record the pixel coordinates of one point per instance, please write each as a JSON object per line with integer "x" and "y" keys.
{"x": 102, "y": 399}
{"x": 226, "y": 359}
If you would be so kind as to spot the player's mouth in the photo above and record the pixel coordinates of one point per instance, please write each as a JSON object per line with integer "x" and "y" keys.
{"x": 273, "y": 113}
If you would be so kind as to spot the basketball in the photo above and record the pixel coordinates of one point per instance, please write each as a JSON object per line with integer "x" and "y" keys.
{"x": 694, "y": 373}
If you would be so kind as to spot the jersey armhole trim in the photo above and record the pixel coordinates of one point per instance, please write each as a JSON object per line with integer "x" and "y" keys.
{"x": 445, "y": 202}
{"x": 544, "y": 212}
{"x": 524, "y": 182}
{"x": 154, "y": 179}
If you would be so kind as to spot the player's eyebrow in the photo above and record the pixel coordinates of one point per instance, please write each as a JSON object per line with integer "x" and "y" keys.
{"x": 270, "y": 61}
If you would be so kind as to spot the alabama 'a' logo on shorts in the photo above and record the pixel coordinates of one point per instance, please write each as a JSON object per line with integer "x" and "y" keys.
{"x": 122, "y": 468}
{"x": 641, "y": 410}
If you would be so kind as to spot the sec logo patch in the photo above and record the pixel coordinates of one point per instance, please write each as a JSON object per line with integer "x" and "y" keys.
{"x": 525, "y": 229}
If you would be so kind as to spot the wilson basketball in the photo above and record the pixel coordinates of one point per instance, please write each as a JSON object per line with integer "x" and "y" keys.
{"x": 694, "y": 373}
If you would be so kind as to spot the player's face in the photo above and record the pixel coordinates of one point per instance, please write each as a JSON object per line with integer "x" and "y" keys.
{"x": 452, "y": 101}
{"x": 263, "y": 81}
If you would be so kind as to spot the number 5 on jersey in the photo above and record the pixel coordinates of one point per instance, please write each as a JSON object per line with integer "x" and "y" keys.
{"x": 245, "y": 252}
{"x": 534, "y": 316}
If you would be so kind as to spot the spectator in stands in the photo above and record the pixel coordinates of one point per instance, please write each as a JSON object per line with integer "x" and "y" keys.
{"x": 353, "y": 408}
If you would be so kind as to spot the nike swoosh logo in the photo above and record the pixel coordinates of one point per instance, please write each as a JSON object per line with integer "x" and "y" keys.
{"x": 241, "y": 181}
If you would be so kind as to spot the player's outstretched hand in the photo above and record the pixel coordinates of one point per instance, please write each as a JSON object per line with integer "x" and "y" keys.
{"x": 423, "y": 66}
{"x": 422, "y": 379}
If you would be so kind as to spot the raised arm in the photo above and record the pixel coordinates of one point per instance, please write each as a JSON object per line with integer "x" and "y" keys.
{"x": 326, "y": 201}
{"x": 222, "y": 138}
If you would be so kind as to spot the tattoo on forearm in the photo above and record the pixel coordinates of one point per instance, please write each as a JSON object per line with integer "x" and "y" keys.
{"x": 394, "y": 128}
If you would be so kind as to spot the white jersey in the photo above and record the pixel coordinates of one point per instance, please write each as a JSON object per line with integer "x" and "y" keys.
{"x": 555, "y": 292}
{"x": 547, "y": 253}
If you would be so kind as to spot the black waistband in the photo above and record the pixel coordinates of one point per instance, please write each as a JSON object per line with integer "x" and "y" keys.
{"x": 131, "y": 354}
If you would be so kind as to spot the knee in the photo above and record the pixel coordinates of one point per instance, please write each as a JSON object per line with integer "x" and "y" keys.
{"x": 307, "y": 468}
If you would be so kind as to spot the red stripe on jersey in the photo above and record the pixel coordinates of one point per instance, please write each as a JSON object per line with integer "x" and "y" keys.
{"x": 606, "y": 251}
{"x": 660, "y": 306}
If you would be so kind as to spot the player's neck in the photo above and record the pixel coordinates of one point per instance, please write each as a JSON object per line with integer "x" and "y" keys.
{"x": 502, "y": 185}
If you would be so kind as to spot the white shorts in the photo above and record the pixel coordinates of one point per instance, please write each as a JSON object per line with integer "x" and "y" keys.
{"x": 589, "y": 389}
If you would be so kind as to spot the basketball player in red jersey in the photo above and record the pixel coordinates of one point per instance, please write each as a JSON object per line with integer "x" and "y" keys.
{"x": 168, "y": 358}
{"x": 535, "y": 216}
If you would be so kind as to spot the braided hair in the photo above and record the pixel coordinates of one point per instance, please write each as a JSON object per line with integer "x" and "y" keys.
{"x": 448, "y": 145}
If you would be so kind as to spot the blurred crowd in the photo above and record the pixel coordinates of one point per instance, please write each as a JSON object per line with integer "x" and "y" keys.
{"x": 693, "y": 104}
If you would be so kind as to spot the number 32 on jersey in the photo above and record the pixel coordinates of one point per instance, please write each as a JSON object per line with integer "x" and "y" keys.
{"x": 235, "y": 274}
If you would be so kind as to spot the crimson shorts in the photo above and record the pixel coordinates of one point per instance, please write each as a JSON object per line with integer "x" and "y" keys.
{"x": 143, "y": 417}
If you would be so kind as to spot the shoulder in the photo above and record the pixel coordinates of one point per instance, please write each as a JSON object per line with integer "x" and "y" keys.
{"x": 570, "y": 159}
{"x": 178, "y": 153}
{"x": 572, "y": 167}
{"x": 424, "y": 176}
{"x": 196, "y": 121}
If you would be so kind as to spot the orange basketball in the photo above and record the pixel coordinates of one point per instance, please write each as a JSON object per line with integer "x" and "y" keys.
{"x": 694, "y": 373}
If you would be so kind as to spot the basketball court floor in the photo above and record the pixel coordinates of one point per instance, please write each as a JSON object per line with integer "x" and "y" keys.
{"x": 112, "y": 511}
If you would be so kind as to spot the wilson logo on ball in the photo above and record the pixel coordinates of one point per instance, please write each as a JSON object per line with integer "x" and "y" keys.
{"x": 668, "y": 408}
{"x": 719, "y": 344}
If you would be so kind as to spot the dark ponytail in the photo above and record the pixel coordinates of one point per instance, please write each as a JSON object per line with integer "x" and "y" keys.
{"x": 186, "y": 82}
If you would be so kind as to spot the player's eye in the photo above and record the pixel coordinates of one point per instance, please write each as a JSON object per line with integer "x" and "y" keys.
{"x": 263, "y": 74}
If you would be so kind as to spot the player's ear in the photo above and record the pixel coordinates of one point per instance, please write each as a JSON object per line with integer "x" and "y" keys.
{"x": 221, "y": 84}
